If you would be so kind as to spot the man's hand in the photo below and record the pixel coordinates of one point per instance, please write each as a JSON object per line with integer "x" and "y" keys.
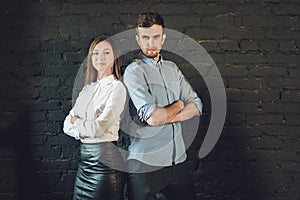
{"x": 190, "y": 110}
{"x": 164, "y": 115}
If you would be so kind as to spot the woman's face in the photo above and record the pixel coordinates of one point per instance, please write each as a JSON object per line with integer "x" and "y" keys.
{"x": 103, "y": 57}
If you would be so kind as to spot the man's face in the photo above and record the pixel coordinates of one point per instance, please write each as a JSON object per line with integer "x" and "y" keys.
{"x": 150, "y": 40}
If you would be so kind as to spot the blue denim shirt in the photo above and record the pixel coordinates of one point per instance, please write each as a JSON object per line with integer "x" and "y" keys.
{"x": 152, "y": 84}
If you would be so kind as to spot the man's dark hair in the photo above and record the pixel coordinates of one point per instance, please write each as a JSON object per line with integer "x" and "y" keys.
{"x": 147, "y": 19}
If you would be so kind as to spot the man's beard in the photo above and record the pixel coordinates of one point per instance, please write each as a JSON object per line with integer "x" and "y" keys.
{"x": 151, "y": 54}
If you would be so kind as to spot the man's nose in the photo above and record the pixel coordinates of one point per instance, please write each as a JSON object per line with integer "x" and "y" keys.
{"x": 151, "y": 42}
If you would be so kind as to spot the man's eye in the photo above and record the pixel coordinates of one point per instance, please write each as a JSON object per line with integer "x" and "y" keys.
{"x": 156, "y": 37}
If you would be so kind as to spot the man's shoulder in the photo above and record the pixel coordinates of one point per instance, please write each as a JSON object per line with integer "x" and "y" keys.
{"x": 134, "y": 65}
{"x": 168, "y": 62}
{"x": 170, "y": 65}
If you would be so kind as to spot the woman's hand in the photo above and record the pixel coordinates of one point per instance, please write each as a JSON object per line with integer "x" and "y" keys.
{"x": 82, "y": 135}
{"x": 73, "y": 119}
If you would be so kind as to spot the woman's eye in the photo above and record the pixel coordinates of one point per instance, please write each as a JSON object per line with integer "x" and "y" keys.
{"x": 107, "y": 52}
{"x": 95, "y": 53}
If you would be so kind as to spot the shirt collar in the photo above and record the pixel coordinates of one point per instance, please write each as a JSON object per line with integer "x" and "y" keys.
{"x": 151, "y": 62}
{"x": 106, "y": 80}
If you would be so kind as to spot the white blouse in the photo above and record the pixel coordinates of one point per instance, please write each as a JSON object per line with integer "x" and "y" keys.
{"x": 98, "y": 106}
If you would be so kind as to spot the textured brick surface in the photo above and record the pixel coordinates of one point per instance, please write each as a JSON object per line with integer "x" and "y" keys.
{"x": 255, "y": 45}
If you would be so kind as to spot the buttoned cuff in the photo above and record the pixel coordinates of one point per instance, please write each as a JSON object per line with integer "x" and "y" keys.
{"x": 146, "y": 111}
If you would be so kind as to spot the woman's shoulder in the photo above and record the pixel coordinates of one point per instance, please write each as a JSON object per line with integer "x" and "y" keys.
{"x": 118, "y": 84}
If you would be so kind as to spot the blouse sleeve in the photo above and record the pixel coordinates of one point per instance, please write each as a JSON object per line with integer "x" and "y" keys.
{"x": 112, "y": 111}
{"x": 69, "y": 128}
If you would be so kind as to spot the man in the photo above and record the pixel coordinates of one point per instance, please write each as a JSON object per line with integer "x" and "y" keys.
{"x": 162, "y": 98}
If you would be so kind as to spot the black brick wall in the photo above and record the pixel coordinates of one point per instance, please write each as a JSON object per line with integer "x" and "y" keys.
{"x": 255, "y": 45}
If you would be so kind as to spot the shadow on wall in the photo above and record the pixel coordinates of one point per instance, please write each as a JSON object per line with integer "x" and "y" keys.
{"x": 17, "y": 171}
{"x": 17, "y": 174}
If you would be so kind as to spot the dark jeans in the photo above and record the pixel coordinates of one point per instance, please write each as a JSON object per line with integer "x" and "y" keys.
{"x": 173, "y": 182}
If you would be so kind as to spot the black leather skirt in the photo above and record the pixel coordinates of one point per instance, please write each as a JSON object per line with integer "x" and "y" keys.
{"x": 96, "y": 180}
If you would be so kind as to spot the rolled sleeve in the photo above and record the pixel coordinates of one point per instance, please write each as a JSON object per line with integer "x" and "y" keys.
{"x": 146, "y": 111}
{"x": 139, "y": 93}
{"x": 187, "y": 94}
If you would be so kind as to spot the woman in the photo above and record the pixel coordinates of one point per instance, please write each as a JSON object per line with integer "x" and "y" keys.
{"x": 94, "y": 120}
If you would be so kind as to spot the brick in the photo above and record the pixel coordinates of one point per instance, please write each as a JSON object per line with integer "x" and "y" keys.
{"x": 203, "y": 33}
{"x": 288, "y": 46}
{"x": 260, "y": 96}
{"x": 209, "y": 45}
{"x": 294, "y": 73}
{"x": 265, "y": 119}
{"x": 247, "y": 83}
{"x": 41, "y": 9}
{"x": 60, "y": 70}
{"x": 249, "y": 108}
{"x": 182, "y": 22}
{"x": 235, "y": 119}
{"x": 292, "y": 23}
{"x": 68, "y": 81}
{"x": 69, "y": 32}
{"x": 209, "y": 9}
{"x": 51, "y": 58}
{"x": 229, "y": 45}
{"x": 260, "y": 155}
{"x": 172, "y": 9}
{"x": 261, "y": 22}
{"x": 269, "y": 45}
{"x": 288, "y": 108}
{"x": 291, "y": 119}
{"x": 234, "y": 71}
{"x": 56, "y": 116}
{"x": 222, "y": 21}
{"x": 30, "y": 71}
{"x": 291, "y": 10}
{"x": 278, "y": 130}
{"x": 242, "y": 33}
{"x": 46, "y": 151}
{"x": 42, "y": 105}
{"x": 60, "y": 139}
{"x": 40, "y": 32}
{"x": 71, "y": 152}
{"x": 60, "y": 164}
{"x": 249, "y": 45}
{"x": 74, "y": 57}
{"x": 248, "y": 9}
{"x": 45, "y": 81}
{"x": 290, "y": 96}
{"x": 282, "y": 59}
{"x": 284, "y": 83}
{"x": 233, "y": 94}
{"x": 38, "y": 116}
{"x": 256, "y": 58}
{"x": 264, "y": 70}
{"x": 284, "y": 34}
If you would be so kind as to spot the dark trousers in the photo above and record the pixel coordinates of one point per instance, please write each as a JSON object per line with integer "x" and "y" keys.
{"x": 174, "y": 182}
